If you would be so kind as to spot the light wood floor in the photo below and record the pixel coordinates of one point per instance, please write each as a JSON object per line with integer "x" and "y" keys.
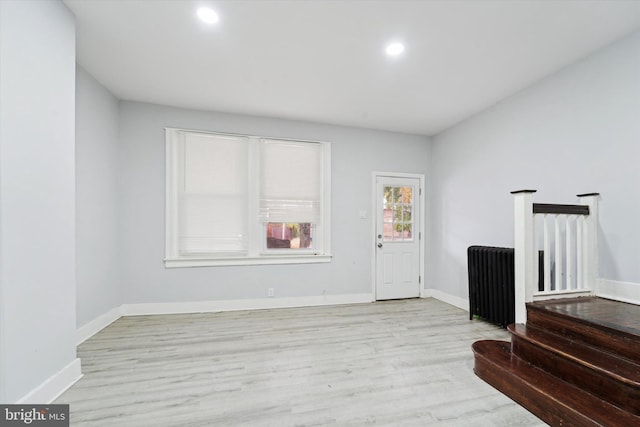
{"x": 395, "y": 363}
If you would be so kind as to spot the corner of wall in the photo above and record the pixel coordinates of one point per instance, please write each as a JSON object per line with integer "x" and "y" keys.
{"x": 55, "y": 385}
{"x": 461, "y": 303}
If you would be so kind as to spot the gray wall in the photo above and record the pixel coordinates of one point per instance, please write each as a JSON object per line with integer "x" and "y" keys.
{"x": 355, "y": 154}
{"x": 37, "y": 190}
{"x": 97, "y": 285}
{"x": 577, "y": 131}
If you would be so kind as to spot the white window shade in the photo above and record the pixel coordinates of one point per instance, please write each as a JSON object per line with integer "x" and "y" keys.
{"x": 223, "y": 191}
{"x": 290, "y": 181}
{"x": 212, "y": 214}
{"x": 208, "y": 224}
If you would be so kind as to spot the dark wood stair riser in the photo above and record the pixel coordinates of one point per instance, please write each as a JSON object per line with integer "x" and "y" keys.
{"x": 624, "y": 345}
{"x": 593, "y": 381}
{"x": 552, "y": 400}
{"x": 575, "y": 363}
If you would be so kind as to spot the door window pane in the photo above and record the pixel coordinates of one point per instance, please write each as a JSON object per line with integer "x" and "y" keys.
{"x": 397, "y": 217}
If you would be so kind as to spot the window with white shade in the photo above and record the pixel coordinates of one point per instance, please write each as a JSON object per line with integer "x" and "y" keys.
{"x": 235, "y": 199}
{"x": 290, "y": 192}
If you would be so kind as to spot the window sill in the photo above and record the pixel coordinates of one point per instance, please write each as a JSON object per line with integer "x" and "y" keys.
{"x": 264, "y": 260}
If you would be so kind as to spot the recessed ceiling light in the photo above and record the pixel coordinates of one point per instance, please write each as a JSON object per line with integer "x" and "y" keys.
{"x": 207, "y": 15}
{"x": 394, "y": 49}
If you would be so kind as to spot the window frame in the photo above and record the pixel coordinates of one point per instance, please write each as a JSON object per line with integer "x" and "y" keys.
{"x": 258, "y": 253}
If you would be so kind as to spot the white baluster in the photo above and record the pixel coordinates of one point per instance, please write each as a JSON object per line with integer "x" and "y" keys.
{"x": 547, "y": 254}
{"x": 569, "y": 253}
{"x": 580, "y": 252}
{"x": 556, "y": 219}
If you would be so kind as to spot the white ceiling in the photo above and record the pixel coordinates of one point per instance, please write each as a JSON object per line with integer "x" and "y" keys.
{"x": 323, "y": 61}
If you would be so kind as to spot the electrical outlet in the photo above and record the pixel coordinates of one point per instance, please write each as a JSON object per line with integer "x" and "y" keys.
{"x": 271, "y": 292}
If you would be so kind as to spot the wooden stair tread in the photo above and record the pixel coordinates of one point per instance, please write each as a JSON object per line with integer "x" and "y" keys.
{"x": 622, "y": 369}
{"x": 604, "y": 324}
{"x": 615, "y": 316}
{"x": 551, "y": 399}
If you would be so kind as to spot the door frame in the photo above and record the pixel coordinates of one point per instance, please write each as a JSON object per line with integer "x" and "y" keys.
{"x": 374, "y": 221}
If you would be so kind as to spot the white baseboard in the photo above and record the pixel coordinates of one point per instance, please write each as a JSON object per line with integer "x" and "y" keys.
{"x": 453, "y": 300}
{"x": 619, "y": 291}
{"x": 96, "y": 325}
{"x": 55, "y": 385}
{"x": 241, "y": 304}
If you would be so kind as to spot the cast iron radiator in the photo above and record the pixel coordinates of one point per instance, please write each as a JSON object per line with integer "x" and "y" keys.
{"x": 492, "y": 283}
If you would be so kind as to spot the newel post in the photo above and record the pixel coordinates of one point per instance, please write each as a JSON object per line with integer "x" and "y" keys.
{"x": 591, "y": 240}
{"x": 524, "y": 254}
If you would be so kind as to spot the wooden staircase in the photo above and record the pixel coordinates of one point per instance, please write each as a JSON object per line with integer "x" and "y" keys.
{"x": 575, "y": 363}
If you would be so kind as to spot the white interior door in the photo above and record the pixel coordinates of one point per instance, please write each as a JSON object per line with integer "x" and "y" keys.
{"x": 397, "y": 237}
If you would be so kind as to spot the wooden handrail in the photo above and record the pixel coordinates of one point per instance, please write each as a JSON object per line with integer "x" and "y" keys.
{"x": 547, "y": 208}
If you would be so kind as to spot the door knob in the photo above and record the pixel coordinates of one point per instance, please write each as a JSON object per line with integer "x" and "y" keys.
{"x": 379, "y": 245}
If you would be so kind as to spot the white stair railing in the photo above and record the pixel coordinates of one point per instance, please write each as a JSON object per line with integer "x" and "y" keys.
{"x": 568, "y": 238}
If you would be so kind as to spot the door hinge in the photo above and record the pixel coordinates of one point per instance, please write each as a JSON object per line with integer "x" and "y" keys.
{"x": 420, "y": 235}
{"x": 420, "y": 191}
{"x": 419, "y": 279}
